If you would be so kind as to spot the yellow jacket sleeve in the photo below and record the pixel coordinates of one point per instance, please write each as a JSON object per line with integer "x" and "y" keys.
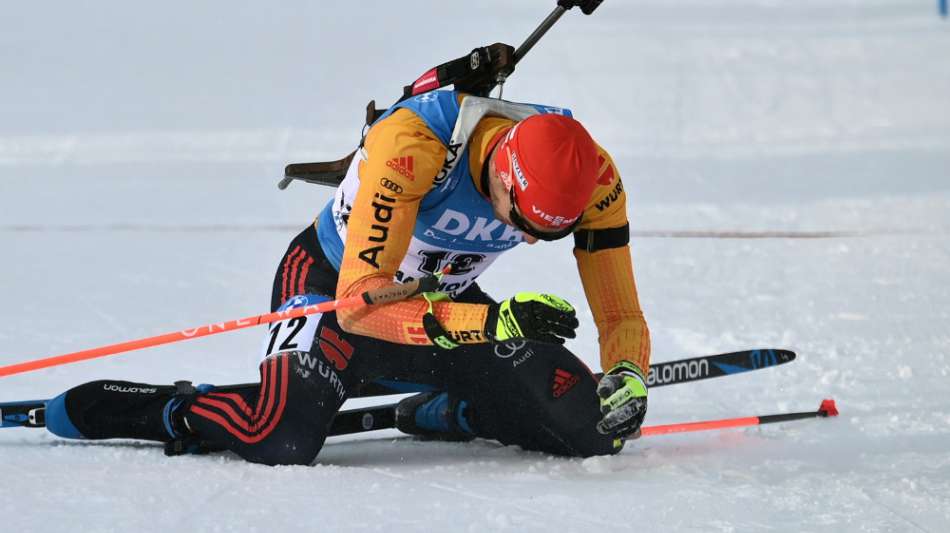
{"x": 607, "y": 276}
{"x": 402, "y": 159}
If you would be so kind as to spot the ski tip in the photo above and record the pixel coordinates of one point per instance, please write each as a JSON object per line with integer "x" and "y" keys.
{"x": 828, "y": 408}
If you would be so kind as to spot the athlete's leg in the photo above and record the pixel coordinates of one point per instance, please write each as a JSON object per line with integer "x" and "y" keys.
{"x": 287, "y": 420}
{"x": 309, "y": 365}
{"x": 301, "y": 390}
{"x": 284, "y": 420}
{"x": 536, "y": 395}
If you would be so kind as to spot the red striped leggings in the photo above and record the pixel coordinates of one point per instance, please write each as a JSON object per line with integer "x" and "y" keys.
{"x": 285, "y": 421}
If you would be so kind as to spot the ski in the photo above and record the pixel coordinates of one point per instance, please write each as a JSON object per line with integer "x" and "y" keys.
{"x": 660, "y": 374}
{"x": 363, "y": 419}
{"x": 348, "y": 422}
{"x": 714, "y": 366}
{"x": 30, "y": 413}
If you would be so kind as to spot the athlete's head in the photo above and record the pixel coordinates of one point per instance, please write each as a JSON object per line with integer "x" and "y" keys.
{"x": 543, "y": 172}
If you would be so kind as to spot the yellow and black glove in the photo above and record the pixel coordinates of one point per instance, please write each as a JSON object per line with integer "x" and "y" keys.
{"x": 531, "y": 315}
{"x": 623, "y": 401}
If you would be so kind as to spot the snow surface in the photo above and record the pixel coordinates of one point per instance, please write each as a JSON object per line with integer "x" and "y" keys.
{"x": 140, "y": 145}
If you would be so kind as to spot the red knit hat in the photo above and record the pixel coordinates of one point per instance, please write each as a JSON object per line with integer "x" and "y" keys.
{"x": 551, "y": 162}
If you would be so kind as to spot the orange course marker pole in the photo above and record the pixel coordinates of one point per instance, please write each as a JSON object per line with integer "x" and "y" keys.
{"x": 826, "y": 409}
{"x": 382, "y": 295}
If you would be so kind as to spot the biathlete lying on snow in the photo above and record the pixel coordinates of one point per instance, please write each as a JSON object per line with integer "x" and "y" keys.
{"x": 413, "y": 203}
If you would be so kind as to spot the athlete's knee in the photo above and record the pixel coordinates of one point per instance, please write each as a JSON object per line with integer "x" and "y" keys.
{"x": 290, "y": 446}
{"x": 285, "y": 423}
{"x": 541, "y": 397}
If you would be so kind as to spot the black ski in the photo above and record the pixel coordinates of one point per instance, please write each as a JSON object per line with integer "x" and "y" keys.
{"x": 661, "y": 374}
{"x": 363, "y": 419}
{"x": 714, "y": 366}
{"x": 31, "y": 413}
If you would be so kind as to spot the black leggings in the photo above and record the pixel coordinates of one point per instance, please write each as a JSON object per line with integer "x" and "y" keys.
{"x": 534, "y": 395}
{"x": 538, "y": 396}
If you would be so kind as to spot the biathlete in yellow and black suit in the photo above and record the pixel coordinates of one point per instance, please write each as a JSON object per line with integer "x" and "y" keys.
{"x": 444, "y": 182}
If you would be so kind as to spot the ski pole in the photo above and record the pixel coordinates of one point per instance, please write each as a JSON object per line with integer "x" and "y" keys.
{"x": 383, "y": 295}
{"x": 587, "y": 6}
{"x": 364, "y": 419}
{"x": 539, "y": 32}
{"x": 826, "y": 409}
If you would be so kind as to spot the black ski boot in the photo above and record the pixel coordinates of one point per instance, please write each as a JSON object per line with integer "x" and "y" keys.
{"x": 435, "y": 416}
{"x": 122, "y": 410}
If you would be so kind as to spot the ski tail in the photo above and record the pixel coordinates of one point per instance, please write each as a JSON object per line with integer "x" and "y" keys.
{"x": 363, "y": 419}
{"x": 29, "y": 413}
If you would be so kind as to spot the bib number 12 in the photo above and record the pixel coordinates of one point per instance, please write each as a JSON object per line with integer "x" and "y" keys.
{"x": 295, "y": 334}
{"x": 290, "y": 332}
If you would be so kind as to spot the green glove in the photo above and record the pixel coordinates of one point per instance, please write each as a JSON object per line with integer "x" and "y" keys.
{"x": 623, "y": 401}
{"x": 531, "y": 315}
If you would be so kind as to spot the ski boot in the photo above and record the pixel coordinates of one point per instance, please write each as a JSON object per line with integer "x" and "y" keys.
{"x": 125, "y": 410}
{"x": 435, "y": 416}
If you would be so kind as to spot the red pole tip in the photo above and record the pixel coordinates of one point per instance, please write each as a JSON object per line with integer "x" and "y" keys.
{"x": 828, "y": 408}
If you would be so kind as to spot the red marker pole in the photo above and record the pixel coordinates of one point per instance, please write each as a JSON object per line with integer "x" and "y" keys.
{"x": 384, "y": 417}
{"x": 826, "y": 409}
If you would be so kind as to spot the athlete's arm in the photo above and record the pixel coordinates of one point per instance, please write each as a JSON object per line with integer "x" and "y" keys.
{"x": 402, "y": 159}
{"x": 602, "y": 251}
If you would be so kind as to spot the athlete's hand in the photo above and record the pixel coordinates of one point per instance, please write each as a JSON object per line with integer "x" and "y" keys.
{"x": 623, "y": 401}
{"x": 531, "y": 315}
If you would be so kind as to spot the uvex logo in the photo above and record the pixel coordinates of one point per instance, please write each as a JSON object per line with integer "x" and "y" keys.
{"x": 522, "y": 180}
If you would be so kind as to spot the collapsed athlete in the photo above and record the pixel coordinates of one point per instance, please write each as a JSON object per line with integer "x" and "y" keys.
{"x": 442, "y": 180}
